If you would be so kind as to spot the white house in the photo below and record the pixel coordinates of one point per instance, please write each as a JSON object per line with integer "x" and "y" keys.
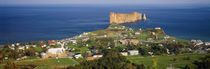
{"x": 158, "y": 28}
{"x": 73, "y": 41}
{"x": 137, "y": 33}
{"x": 97, "y": 56}
{"x": 124, "y": 53}
{"x": 13, "y": 45}
{"x": 197, "y": 42}
{"x": 160, "y": 44}
{"x": 54, "y": 52}
{"x": 44, "y": 45}
{"x": 207, "y": 43}
{"x": 33, "y": 45}
{"x": 21, "y": 47}
{"x": 133, "y": 52}
{"x": 17, "y": 44}
{"x": 27, "y": 46}
{"x": 78, "y": 56}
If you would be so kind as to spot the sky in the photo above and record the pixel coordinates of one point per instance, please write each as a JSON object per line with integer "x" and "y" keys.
{"x": 112, "y": 2}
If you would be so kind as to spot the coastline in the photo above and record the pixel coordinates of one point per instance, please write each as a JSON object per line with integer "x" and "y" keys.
{"x": 77, "y": 36}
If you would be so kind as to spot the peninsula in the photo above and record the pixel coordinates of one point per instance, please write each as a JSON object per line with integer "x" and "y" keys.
{"x": 119, "y": 18}
{"x": 116, "y": 47}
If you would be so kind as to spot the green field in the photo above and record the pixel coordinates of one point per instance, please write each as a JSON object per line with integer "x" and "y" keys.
{"x": 48, "y": 63}
{"x": 165, "y": 61}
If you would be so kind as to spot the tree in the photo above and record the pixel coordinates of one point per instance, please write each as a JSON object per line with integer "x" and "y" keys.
{"x": 204, "y": 63}
{"x": 111, "y": 60}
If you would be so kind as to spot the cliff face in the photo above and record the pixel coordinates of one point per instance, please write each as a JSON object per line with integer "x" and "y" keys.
{"x": 126, "y": 18}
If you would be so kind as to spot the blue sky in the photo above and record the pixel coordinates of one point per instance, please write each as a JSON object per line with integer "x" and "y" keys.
{"x": 112, "y": 2}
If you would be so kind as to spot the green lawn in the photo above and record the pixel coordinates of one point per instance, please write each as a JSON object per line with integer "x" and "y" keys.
{"x": 48, "y": 63}
{"x": 79, "y": 49}
{"x": 165, "y": 61}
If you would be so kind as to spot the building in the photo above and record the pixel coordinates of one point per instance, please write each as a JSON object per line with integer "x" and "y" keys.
{"x": 54, "y": 52}
{"x": 157, "y": 28}
{"x": 124, "y": 53}
{"x": 129, "y": 41}
{"x": 78, "y": 56}
{"x": 124, "y": 42}
{"x": 137, "y": 33}
{"x": 150, "y": 39}
{"x": 93, "y": 57}
{"x": 51, "y": 42}
{"x": 21, "y": 47}
{"x": 133, "y": 52}
{"x": 166, "y": 37}
{"x": 197, "y": 42}
{"x": 207, "y": 43}
{"x": 160, "y": 44}
{"x": 74, "y": 41}
{"x": 89, "y": 58}
{"x": 97, "y": 56}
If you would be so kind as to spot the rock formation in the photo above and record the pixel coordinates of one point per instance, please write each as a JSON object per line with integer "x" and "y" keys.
{"x": 126, "y": 18}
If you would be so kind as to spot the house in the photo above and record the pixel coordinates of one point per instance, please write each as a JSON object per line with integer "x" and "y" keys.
{"x": 133, "y": 52}
{"x": 160, "y": 44}
{"x": 17, "y": 44}
{"x": 78, "y": 56}
{"x": 54, "y": 52}
{"x": 24, "y": 57}
{"x": 197, "y": 42}
{"x": 124, "y": 53}
{"x": 153, "y": 33}
{"x": 74, "y": 41}
{"x": 167, "y": 50}
{"x": 157, "y": 28}
{"x": 201, "y": 51}
{"x": 97, "y": 56}
{"x": 129, "y": 41}
{"x": 27, "y": 46}
{"x": 166, "y": 37}
{"x": 89, "y": 58}
{"x": 151, "y": 53}
{"x": 87, "y": 45}
{"x": 150, "y": 39}
{"x": 140, "y": 29}
{"x": 134, "y": 41}
{"x": 44, "y": 45}
{"x": 137, "y": 33}
{"x": 93, "y": 57}
{"x": 105, "y": 35}
{"x": 21, "y": 47}
{"x": 146, "y": 44}
{"x": 33, "y": 45}
{"x": 13, "y": 45}
{"x": 124, "y": 42}
{"x": 52, "y": 42}
{"x": 207, "y": 43}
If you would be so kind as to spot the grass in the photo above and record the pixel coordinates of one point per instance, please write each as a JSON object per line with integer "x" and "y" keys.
{"x": 48, "y": 63}
{"x": 165, "y": 61}
{"x": 80, "y": 49}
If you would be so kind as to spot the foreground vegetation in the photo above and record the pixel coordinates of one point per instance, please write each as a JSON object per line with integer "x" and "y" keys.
{"x": 48, "y": 63}
{"x": 178, "y": 61}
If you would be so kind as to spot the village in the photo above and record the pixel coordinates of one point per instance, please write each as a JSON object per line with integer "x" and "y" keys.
{"x": 69, "y": 47}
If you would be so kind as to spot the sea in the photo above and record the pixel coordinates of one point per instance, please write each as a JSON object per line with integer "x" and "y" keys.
{"x": 40, "y": 23}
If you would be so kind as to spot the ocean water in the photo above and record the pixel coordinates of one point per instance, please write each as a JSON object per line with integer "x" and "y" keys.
{"x": 23, "y": 24}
